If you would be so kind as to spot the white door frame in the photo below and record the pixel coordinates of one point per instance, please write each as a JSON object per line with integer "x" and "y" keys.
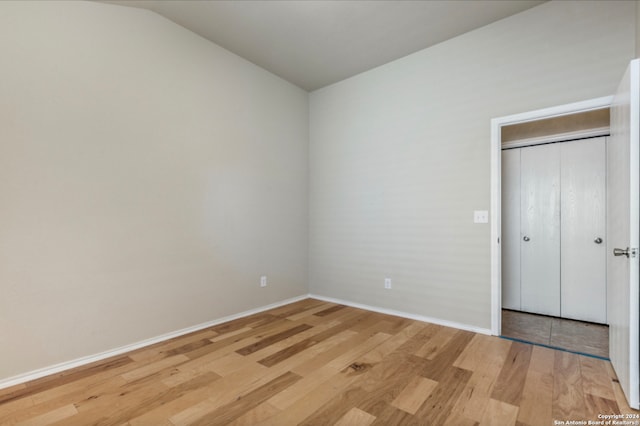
{"x": 496, "y": 186}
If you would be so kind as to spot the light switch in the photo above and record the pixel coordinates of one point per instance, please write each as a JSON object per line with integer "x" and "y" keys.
{"x": 481, "y": 216}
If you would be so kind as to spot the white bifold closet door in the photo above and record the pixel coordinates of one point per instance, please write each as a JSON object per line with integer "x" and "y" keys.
{"x": 583, "y": 288}
{"x": 540, "y": 229}
{"x": 511, "y": 237}
{"x": 553, "y": 229}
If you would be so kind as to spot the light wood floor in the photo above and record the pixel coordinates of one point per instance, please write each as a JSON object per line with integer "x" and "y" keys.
{"x": 577, "y": 336}
{"x": 317, "y": 363}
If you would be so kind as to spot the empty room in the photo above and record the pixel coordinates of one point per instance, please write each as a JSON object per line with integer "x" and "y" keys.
{"x": 319, "y": 212}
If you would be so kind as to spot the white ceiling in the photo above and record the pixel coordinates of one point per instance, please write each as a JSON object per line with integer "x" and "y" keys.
{"x": 315, "y": 43}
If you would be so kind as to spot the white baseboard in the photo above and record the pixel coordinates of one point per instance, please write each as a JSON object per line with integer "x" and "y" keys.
{"x": 42, "y": 372}
{"x": 46, "y": 371}
{"x": 422, "y": 318}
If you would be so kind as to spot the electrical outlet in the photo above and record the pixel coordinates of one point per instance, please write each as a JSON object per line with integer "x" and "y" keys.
{"x": 387, "y": 283}
{"x": 263, "y": 281}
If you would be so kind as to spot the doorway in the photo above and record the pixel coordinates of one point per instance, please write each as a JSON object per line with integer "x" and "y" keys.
{"x": 541, "y": 328}
{"x": 554, "y": 241}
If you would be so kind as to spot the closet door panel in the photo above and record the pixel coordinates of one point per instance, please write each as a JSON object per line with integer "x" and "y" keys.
{"x": 583, "y": 205}
{"x": 511, "y": 229}
{"x": 540, "y": 229}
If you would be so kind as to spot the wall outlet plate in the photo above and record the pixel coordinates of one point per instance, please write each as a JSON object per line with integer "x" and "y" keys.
{"x": 481, "y": 216}
{"x": 387, "y": 283}
{"x": 263, "y": 281}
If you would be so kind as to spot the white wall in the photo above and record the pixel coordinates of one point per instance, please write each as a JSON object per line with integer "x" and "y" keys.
{"x": 147, "y": 179}
{"x": 400, "y": 154}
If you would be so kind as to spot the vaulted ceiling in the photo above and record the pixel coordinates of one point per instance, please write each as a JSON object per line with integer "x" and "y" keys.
{"x": 316, "y": 43}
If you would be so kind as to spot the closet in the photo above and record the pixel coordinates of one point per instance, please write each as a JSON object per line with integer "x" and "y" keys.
{"x": 553, "y": 229}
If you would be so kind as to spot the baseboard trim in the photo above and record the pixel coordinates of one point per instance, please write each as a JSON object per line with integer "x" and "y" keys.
{"x": 54, "y": 369}
{"x": 422, "y": 318}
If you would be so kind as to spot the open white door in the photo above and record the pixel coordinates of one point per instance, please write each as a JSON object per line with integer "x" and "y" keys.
{"x": 623, "y": 223}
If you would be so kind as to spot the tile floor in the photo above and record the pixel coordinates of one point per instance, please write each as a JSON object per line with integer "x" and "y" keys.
{"x": 577, "y": 336}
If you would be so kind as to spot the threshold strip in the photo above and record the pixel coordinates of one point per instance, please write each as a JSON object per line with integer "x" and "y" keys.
{"x": 554, "y": 347}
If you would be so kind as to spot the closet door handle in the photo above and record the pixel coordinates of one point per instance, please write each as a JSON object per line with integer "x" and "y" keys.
{"x": 526, "y": 238}
{"x": 598, "y": 240}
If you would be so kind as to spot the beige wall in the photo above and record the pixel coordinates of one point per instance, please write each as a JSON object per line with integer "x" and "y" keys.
{"x": 400, "y": 154}
{"x": 637, "y": 29}
{"x": 147, "y": 179}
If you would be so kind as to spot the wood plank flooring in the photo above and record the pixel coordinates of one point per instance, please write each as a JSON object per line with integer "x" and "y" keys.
{"x": 318, "y": 363}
